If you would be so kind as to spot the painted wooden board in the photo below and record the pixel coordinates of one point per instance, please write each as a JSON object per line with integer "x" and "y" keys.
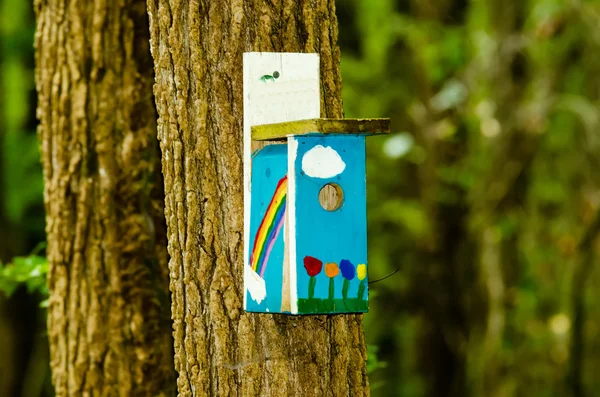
{"x": 264, "y": 284}
{"x": 290, "y": 94}
{"x": 320, "y": 127}
{"x": 305, "y": 259}
{"x": 330, "y": 253}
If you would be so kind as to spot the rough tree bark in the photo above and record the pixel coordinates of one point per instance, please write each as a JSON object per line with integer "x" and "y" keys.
{"x": 220, "y": 350}
{"x": 108, "y": 316}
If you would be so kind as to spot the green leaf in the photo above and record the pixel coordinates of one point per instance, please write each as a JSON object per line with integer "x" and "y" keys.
{"x": 25, "y": 270}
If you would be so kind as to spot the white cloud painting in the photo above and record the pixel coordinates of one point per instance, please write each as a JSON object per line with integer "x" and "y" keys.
{"x": 322, "y": 162}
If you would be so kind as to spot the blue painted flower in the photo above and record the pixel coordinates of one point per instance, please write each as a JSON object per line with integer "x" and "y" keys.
{"x": 347, "y": 268}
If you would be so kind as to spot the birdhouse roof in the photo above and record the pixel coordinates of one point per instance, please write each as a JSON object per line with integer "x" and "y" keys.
{"x": 268, "y": 132}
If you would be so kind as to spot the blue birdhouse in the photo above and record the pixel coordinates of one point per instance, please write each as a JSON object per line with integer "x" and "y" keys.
{"x": 307, "y": 250}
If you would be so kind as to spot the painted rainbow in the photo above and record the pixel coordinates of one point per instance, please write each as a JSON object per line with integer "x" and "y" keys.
{"x": 269, "y": 229}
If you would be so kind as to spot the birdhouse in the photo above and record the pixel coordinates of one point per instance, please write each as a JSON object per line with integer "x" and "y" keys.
{"x": 306, "y": 220}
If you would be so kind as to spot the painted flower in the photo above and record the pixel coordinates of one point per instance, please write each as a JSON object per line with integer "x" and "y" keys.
{"x": 331, "y": 270}
{"x": 312, "y": 265}
{"x": 347, "y": 268}
{"x": 361, "y": 271}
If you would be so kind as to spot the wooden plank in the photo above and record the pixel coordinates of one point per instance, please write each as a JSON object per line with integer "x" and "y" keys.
{"x": 333, "y": 232}
{"x": 286, "y": 303}
{"x": 293, "y": 95}
{"x": 276, "y": 131}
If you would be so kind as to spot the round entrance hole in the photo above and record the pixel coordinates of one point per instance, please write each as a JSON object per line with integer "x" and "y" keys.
{"x": 331, "y": 197}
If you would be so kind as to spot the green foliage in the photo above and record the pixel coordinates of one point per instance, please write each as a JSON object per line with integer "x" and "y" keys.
{"x": 20, "y": 168}
{"x": 22, "y": 175}
{"x": 29, "y": 271}
{"x": 483, "y": 198}
{"x": 23, "y": 344}
{"x": 374, "y": 363}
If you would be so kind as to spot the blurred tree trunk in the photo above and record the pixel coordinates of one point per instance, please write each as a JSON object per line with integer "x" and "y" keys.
{"x": 108, "y": 316}
{"x": 219, "y": 349}
{"x": 587, "y": 249}
{"x": 470, "y": 264}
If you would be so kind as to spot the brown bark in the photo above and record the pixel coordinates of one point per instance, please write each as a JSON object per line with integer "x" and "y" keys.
{"x": 219, "y": 349}
{"x": 108, "y": 315}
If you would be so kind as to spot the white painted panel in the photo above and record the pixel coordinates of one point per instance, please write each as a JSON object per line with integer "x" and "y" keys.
{"x": 292, "y": 154}
{"x": 294, "y": 95}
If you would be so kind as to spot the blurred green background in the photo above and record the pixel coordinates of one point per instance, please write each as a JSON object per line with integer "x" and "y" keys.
{"x": 485, "y": 198}
{"x": 24, "y": 369}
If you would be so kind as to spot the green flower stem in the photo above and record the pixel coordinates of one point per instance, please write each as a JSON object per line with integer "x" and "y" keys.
{"x": 361, "y": 289}
{"x": 311, "y": 287}
{"x": 331, "y": 288}
{"x": 345, "y": 288}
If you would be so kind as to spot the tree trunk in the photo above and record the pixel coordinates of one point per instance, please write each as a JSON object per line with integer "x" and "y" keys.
{"x": 219, "y": 349}
{"x": 108, "y": 315}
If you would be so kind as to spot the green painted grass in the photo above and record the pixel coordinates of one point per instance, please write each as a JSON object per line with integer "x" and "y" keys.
{"x": 327, "y": 306}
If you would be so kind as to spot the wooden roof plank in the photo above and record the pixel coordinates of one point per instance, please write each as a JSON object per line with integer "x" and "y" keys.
{"x": 269, "y": 132}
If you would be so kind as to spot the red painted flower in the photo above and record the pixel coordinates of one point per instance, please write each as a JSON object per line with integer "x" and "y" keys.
{"x": 312, "y": 265}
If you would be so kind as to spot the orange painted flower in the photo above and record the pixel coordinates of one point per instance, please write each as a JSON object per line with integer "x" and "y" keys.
{"x": 361, "y": 271}
{"x": 331, "y": 270}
